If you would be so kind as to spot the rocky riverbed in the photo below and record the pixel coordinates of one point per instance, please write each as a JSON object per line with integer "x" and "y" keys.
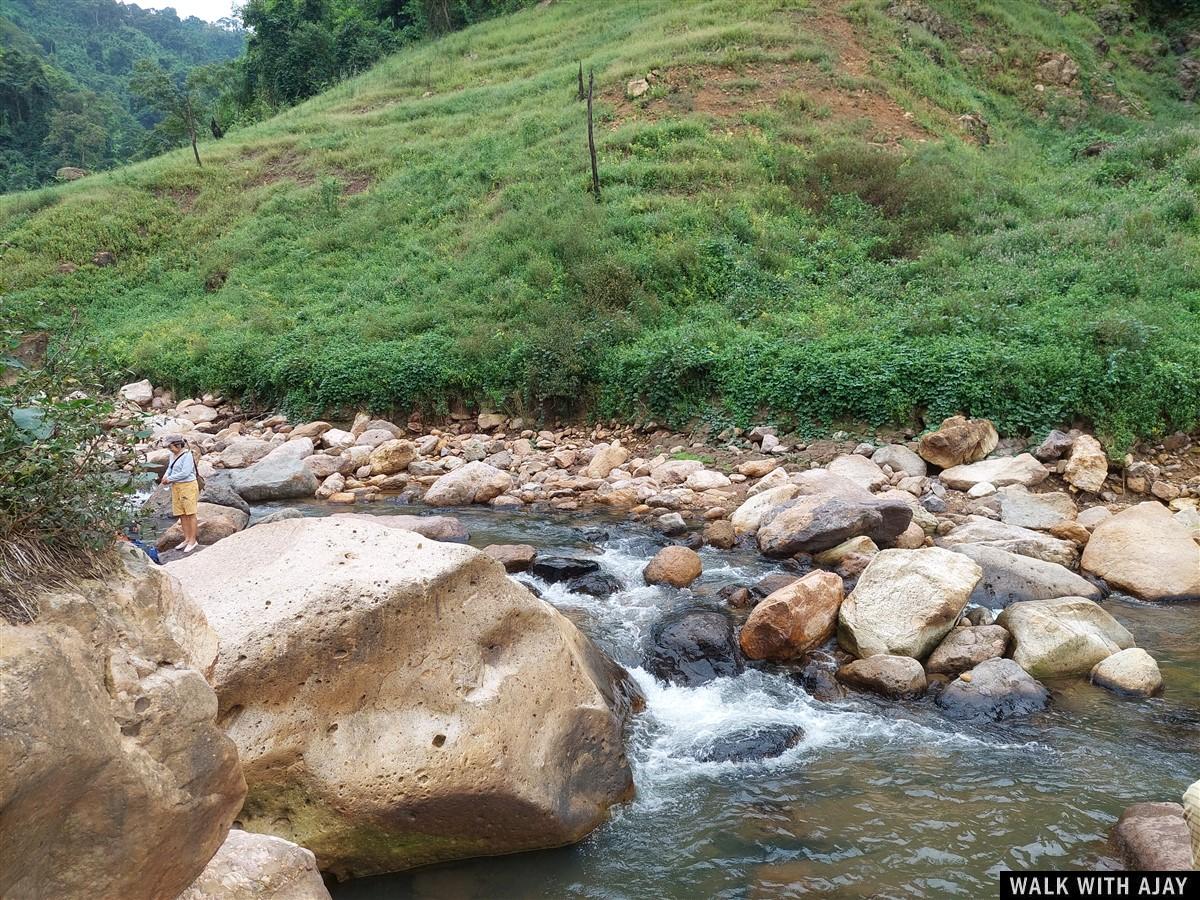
{"x": 870, "y": 665}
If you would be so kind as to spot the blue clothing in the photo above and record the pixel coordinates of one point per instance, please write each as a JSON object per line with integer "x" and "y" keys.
{"x": 147, "y": 549}
{"x": 181, "y": 468}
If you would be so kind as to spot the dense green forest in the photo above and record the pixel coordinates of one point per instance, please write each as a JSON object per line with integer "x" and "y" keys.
{"x": 94, "y": 83}
{"x": 65, "y": 71}
{"x": 880, "y": 209}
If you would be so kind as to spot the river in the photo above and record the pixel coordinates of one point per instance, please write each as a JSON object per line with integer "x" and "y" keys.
{"x": 880, "y": 799}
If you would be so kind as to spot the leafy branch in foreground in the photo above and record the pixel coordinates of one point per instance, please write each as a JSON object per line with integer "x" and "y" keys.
{"x": 62, "y": 492}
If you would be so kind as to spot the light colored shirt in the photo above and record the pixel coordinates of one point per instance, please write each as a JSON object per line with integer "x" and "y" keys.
{"x": 181, "y": 468}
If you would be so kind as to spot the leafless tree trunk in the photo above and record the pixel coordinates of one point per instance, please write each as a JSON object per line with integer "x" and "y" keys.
{"x": 592, "y": 139}
{"x": 581, "y": 95}
{"x": 191, "y": 127}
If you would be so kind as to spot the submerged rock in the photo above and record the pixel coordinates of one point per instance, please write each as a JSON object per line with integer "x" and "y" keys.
{"x": 760, "y": 742}
{"x": 994, "y": 689}
{"x": 595, "y": 584}
{"x": 554, "y": 569}
{"x": 693, "y": 647}
{"x": 398, "y": 701}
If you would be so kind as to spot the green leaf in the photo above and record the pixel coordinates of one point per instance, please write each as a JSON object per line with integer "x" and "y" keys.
{"x": 31, "y": 420}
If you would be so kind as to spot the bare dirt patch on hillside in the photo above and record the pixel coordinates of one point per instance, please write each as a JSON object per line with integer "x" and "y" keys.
{"x": 841, "y": 98}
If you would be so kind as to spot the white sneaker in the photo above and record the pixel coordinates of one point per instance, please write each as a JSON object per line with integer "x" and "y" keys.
{"x": 190, "y": 547}
{"x": 182, "y": 545}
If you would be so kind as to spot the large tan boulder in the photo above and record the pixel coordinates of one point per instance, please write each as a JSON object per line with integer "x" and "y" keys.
{"x": 1145, "y": 551}
{"x": 987, "y": 532}
{"x": 398, "y": 701}
{"x": 1064, "y": 636}
{"x": 605, "y": 458}
{"x": 244, "y": 451}
{"x": 1153, "y": 837}
{"x": 794, "y": 619}
{"x": 475, "y": 482}
{"x": 392, "y": 457}
{"x": 115, "y": 780}
{"x": 896, "y": 677}
{"x": 958, "y": 440}
{"x": 906, "y": 602}
{"x": 258, "y": 867}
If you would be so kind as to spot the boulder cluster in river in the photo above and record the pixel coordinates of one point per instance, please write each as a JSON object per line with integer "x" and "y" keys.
{"x": 358, "y": 694}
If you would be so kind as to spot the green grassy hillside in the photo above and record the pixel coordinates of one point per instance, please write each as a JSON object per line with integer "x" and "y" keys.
{"x": 795, "y": 223}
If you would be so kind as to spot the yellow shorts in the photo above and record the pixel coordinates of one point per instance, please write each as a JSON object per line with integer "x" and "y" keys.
{"x": 184, "y": 496}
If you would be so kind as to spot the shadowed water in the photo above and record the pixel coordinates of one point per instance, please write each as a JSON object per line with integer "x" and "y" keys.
{"x": 879, "y": 799}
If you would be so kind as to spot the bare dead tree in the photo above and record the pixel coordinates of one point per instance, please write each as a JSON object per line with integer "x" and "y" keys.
{"x": 592, "y": 138}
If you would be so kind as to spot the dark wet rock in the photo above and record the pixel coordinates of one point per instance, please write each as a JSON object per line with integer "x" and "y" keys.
{"x": 995, "y": 689}
{"x": 933, "y": 503}
{"x": 563, "y": 568}
{"x": 219, "y": 490}
{"x": 738, "y": 596}
{"x": 1153, "y": 837}
{"x": 692, "y": 541}
{"x": 820, "y": 681}
{"x": 760, "y": 742}
{"x": 769, "y": 584}
{"x": 595, "y": 584}
{"x": 816, "y": 522}
{"x": 593, "y": 535}
{"x": 693, "y": 647}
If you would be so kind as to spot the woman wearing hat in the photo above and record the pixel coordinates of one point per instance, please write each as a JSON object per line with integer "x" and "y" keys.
{"x": 185, "y": 489}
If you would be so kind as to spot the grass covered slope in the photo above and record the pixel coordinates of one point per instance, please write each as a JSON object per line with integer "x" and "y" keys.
{"x": 795, "y": 224}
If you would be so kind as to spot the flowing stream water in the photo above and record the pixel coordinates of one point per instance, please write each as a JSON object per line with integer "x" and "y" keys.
{"x": 879, "y": 799}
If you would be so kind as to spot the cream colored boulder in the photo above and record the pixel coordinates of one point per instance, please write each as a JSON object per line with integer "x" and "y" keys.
{"x": 1087, "y": 467}
{"x": 244, "y": 451}
{"x": 475, "y": 482}
{"x": 1144, "y": 551}
{"x": 115, "y": 780}
{"x": 1012, "y": 538}
{"x": 859, "y": 470}
{"x": 1132, "y": 671}
{"x": 1191, "y": 813}
{"x": 748, "y": 517}
{"x": 258, "y": 867}
{"x": 1064, "y": 636}
{"x": 906, "y": 602}
{"x": 398, "y": 701}
{"x": 1000, "y": 472}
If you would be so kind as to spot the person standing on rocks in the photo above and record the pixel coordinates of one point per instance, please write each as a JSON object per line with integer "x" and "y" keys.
{"x": 185, "y": 489}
